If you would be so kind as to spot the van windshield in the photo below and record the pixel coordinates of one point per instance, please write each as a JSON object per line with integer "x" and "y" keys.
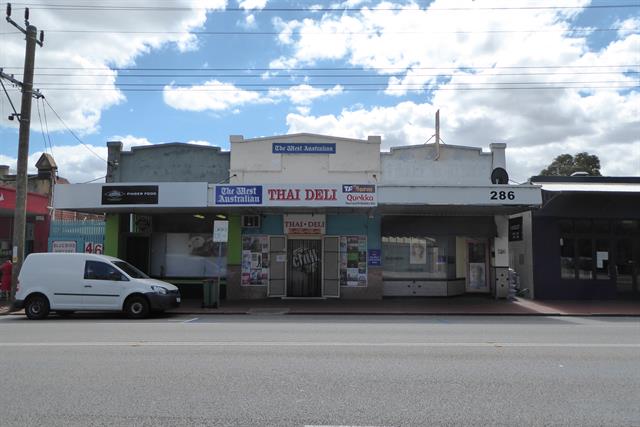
{"x": 130, "y": 270}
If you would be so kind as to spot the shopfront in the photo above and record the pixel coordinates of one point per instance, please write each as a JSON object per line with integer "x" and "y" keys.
{"x": 37, "y": 225}
{"x": 584, "y": 240}
{"x": 311, "y": 216}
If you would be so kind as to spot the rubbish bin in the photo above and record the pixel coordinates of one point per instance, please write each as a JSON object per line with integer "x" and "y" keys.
{"x": 211, "y": 288}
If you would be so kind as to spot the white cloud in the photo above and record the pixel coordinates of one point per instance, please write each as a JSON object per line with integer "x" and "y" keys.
{"x": 454, "y": 56}
{"x": 252, "y": 4}
{"x": 215, "y": 95}
{"x": 86, "y": 59}
{"x": 212, "y": 95}
{"x": 304, "y": 94}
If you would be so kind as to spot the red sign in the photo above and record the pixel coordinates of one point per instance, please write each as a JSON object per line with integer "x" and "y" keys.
{"x": 36, "y": 203}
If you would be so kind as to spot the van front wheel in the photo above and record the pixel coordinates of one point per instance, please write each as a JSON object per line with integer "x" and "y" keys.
{"x": 137, "y": 307}
{"x": 37, "y": 307}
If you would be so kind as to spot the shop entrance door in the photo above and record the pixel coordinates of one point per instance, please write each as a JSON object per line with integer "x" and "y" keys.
{"x": 627, "y": 267}
{"x": 477, "y": 261}
{"x": 304, "y": 276}
{"x": 138, "y": 252}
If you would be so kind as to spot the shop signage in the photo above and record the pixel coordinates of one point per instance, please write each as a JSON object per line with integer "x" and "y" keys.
{"x": 375, "y": 257}
{"x": 303, "y": 148}
{"x": 304, "y": 224}
{"x": 238, "y": 195}
{"x": 220, "y": 231}
{"x": 68, "y": 246}
{"x": 515, "y": 229}
{"x": 93, "y": 248}
{"x": 130, "y": 195}
{"x": 307, "y": 195}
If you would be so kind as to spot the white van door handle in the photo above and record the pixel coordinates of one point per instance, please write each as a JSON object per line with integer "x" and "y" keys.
{"x": 87, "y": 286}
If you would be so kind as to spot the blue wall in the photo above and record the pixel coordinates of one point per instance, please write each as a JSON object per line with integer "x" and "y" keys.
{"x": 269, "y": 224}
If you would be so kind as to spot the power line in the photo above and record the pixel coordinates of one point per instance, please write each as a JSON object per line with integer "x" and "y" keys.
{"x": 73, "y": 133}
{"x": 78, "y": 7}
{"x": 44, "y": 139}
{"x": 385, "y": 88}
{"x": 337, "y": 33}
{"x": 46, "y": 123}
{"x": 94, "y": 180}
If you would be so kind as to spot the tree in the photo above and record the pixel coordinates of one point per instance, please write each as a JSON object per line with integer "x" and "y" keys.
{"x": 566, "y": 164}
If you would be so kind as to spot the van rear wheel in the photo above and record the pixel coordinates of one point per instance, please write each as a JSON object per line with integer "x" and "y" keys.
{"x": 137, "y": 307}
{"x": 37, "y": 307}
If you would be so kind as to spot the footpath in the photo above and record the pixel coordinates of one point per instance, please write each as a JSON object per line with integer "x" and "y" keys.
{"x": 462, "y": 305}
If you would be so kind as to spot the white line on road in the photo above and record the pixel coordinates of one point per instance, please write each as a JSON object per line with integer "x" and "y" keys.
{"x": 191, "y": 320}
{"x": 313, "y": 344}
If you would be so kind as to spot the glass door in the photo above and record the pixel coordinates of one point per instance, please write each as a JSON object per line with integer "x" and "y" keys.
{"x": 477, "y": 262}
{"x": 626, "y": 267}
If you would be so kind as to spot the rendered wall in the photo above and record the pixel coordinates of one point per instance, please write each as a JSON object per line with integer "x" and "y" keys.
{"x": 167, "y": 163}
{"x": 355, "y": 161}
{"x": 417, "y": 165}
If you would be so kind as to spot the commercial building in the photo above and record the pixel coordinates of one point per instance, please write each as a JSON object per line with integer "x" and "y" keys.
{"x": 311, "y": 216}
{"x": 584, "y": 241}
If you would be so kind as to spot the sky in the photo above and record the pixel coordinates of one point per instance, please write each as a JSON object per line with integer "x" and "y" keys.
{"x": 546, "y": 77}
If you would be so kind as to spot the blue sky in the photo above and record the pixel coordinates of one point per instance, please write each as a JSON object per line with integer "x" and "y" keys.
{"x": 546, "y": 77}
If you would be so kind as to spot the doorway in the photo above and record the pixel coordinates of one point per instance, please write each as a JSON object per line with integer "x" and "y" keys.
{"x": 627, "y": 267}
{"x": 304, "y": 275}
{"x": 137, "y": 251}
{"x": 477, "y": 262}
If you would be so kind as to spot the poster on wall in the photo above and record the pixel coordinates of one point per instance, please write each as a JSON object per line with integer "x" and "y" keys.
{"x": 353, "y": 261}
{"x": 255, "y": 261}
{"x": 477, "y": 276}
{"x": 194, "y": 255}
{"x": 418, "y": 252}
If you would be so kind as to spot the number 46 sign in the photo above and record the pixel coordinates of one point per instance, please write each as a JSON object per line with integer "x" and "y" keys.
{"x": 93, "y": 248}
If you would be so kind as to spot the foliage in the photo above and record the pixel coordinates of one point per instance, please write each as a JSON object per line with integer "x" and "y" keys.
{"x": 566, "y": 164}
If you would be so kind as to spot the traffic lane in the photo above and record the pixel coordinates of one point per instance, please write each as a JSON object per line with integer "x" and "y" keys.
{"x": 347, "y": 329}
{"x": 316, "y": 385}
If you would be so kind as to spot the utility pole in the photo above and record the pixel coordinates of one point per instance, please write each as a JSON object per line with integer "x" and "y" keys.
{"x": 20, "y": 214}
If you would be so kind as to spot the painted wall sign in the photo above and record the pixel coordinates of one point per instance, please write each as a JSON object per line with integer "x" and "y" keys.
{"x": 68, "y": 246}
{"x": 304, "y": 224}
{"x": 306, "y": 195}
{"x": 238, "y": 195}
{"x": 130, "y": 195}
{"x": 303, "y": 148}
{"x": 375, "y": 257}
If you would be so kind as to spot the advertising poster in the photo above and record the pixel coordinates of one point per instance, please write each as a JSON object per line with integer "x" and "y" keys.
{"x": 353, "y": 261}
{"x": 477, "y": 276}
{"x": 194, "y": 255}
{"x": 418, "y": 252}
{"x": 255, "y": 261}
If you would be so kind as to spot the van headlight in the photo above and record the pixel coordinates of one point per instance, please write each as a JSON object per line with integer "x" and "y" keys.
{"x": 159, "y": 290}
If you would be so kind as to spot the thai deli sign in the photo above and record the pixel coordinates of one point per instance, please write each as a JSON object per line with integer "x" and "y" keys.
{"x": 308, "y": 195}
{"x": 304, "y": 224}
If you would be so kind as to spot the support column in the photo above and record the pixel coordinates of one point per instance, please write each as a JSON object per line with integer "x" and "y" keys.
{"x": 112, "y": 234}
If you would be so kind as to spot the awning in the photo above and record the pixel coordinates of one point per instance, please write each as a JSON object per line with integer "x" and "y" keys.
{"x": 412, "y": 226}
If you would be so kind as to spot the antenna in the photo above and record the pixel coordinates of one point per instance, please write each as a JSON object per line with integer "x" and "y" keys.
{"x": 437, "y": 135}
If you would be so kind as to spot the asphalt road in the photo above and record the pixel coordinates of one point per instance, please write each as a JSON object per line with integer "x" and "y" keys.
{"x": 320, "y": 370}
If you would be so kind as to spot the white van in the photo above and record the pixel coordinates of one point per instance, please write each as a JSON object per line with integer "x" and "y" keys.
{"x": 68, "y": 282}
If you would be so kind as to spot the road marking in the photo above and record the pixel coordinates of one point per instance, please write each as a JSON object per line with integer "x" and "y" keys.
{"x": 313, "y": 344}
{"x": 191, "y": 320}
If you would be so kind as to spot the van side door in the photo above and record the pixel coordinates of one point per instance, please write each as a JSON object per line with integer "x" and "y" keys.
{"x": 103, "y": 286}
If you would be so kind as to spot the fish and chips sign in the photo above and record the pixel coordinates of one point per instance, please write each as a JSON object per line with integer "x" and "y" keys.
{"x": 307, "y": 195}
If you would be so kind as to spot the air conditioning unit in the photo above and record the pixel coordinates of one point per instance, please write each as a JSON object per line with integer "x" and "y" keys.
{"x": 250, "y": 221}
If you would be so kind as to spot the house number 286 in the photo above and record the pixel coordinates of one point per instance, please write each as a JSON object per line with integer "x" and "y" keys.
{"x": 502, "y": 195}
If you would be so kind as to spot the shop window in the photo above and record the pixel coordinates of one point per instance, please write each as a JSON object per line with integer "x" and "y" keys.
{"x": 585, "y": 259}
{"x": 566, "y": 226}
{"x": 567, "y": 258}
{"x": 602, "y": 259}
{"x": 415, "y": 257}
{"x": 582, "y": 226}
{"x": 601, "y": 226}
{"x": 626, "y": 226}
